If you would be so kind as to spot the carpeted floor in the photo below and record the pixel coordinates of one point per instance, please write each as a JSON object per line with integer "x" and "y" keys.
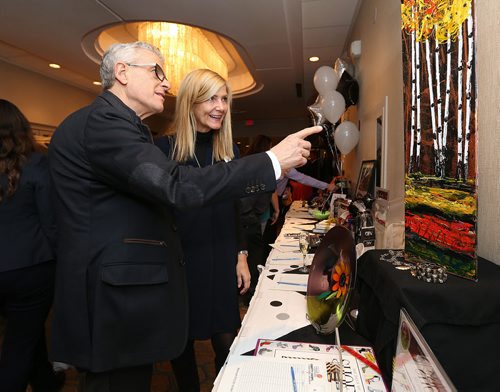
{"x": 163, "y": 377}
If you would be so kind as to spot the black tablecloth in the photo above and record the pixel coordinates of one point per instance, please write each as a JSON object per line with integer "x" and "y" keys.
{"x": 459, "y": 319}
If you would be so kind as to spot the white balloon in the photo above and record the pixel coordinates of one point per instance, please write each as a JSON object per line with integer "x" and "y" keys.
{"x": 346, "y": 137}
{"x": 333, "y": 105}
{"x": 320, "y": 100}
{"x": 325, "y": 80}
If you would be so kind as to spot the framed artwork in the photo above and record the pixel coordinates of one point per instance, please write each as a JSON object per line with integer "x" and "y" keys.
{"x": 440, "y": 129}
{"x": 366, "y": 180}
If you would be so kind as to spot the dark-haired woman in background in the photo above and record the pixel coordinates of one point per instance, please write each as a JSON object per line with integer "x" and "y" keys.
{"x": 27, "y": 261}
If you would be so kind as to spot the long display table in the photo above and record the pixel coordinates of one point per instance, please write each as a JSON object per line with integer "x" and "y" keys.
{"x": 278, "y": 308}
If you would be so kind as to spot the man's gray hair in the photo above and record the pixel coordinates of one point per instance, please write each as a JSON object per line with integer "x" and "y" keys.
{"x": 122, "y": 52}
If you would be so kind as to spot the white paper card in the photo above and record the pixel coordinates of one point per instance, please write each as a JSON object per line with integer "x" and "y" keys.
{"x": 257, "y": 374}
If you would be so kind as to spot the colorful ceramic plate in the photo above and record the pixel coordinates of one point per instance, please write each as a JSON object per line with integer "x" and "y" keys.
{"x": 330, "y": 280}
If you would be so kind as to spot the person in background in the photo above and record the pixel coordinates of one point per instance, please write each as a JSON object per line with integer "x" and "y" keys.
{"x": 255, "y": 213}
{"x": 215, "y": 256}
{"x": 27, "y": 264}
{"x": 301, "y": 178}
{"x": 319, "y": 198}
{"x": 121, "y": 295}
{"x": 268, "y": 218}
{"x": 284, "y": 191}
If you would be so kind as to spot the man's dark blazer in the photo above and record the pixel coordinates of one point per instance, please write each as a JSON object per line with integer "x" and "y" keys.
{"x": 120, "y": 286}
{"x": 27, "y": 221}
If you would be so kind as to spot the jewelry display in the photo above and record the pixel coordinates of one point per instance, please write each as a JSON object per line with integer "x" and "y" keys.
{"x": 428, "y": 272}
{"x": 397, "y": 259}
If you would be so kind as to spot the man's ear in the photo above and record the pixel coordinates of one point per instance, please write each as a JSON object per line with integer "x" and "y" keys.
{"x": 121, "y": 73}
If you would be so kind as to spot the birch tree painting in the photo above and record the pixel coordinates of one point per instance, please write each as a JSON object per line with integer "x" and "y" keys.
{"x": 440, "y": 133}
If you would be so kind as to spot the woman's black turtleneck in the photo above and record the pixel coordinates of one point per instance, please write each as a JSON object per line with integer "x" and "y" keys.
{"x": 204, "y": 148}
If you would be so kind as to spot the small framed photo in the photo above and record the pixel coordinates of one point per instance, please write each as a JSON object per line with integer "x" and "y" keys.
{"x": 416, "y": 368}
{"x": 366, "y": 180}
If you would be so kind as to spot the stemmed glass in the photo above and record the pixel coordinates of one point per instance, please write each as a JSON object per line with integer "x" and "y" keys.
{"x": 304, "y": 244}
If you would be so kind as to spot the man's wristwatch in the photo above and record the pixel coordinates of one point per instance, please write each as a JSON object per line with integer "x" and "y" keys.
{"x": 243, "y": 252}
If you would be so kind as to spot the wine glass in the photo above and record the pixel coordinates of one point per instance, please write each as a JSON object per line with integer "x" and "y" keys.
{"x": 304, "y": 244}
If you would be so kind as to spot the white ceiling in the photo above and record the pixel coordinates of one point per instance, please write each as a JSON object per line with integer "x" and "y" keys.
{"x": 278, "y": 35}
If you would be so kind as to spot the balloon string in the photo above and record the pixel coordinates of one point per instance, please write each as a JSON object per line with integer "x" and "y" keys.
{"x": 326, "y": 201}
{"x": 339, "y": 166}
{"x": 333, "y": 151}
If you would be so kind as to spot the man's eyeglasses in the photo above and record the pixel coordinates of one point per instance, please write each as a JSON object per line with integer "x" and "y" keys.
{"x": 158, "y": 70}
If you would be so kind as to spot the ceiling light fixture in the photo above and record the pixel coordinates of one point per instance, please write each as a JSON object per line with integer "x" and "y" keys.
{"x": 96, "y": 83}
{"x": 184, "y": 48}
{"x": 313, "y": 59}
{"x": 54, "y": 65}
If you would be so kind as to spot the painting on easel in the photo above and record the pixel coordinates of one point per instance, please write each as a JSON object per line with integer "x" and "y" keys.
{"x": 438, "y": 38}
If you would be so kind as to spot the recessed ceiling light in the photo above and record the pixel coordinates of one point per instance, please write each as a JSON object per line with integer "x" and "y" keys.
{"x": 54, "y": 65}
{"x": 313, "y": 59}
{"x": 95, "y": 82}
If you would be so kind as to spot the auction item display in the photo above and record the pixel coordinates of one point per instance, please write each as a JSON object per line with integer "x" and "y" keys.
{"x": 440, "y": 126}
{"x": 330, "y": 280}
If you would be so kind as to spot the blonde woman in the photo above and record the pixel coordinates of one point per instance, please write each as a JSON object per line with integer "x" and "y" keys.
{"x": 216, "y": 259}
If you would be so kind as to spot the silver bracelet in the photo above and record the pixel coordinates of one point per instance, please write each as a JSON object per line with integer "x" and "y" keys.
{"x": 397, "y": 259}
{"x": 430, "y": 272}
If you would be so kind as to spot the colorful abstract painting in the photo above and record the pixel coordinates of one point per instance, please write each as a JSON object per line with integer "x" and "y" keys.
{"x": 440, "y": 133}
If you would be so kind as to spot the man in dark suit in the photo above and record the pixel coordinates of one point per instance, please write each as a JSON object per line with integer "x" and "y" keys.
{"x": 120, "y": 302}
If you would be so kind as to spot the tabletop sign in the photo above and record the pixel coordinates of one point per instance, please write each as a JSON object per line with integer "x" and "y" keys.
{"x": 368, "y": 237}
{"x": 361, "y": 372}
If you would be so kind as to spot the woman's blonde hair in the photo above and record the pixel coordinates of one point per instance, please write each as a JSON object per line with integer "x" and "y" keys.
{"x": 199, "y": 86}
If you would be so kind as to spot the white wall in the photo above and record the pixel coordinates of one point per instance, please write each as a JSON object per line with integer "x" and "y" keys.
{"x": 379, "y": 73}
{"x": 488, "y": 75}
{"x": 41, "y": 99}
